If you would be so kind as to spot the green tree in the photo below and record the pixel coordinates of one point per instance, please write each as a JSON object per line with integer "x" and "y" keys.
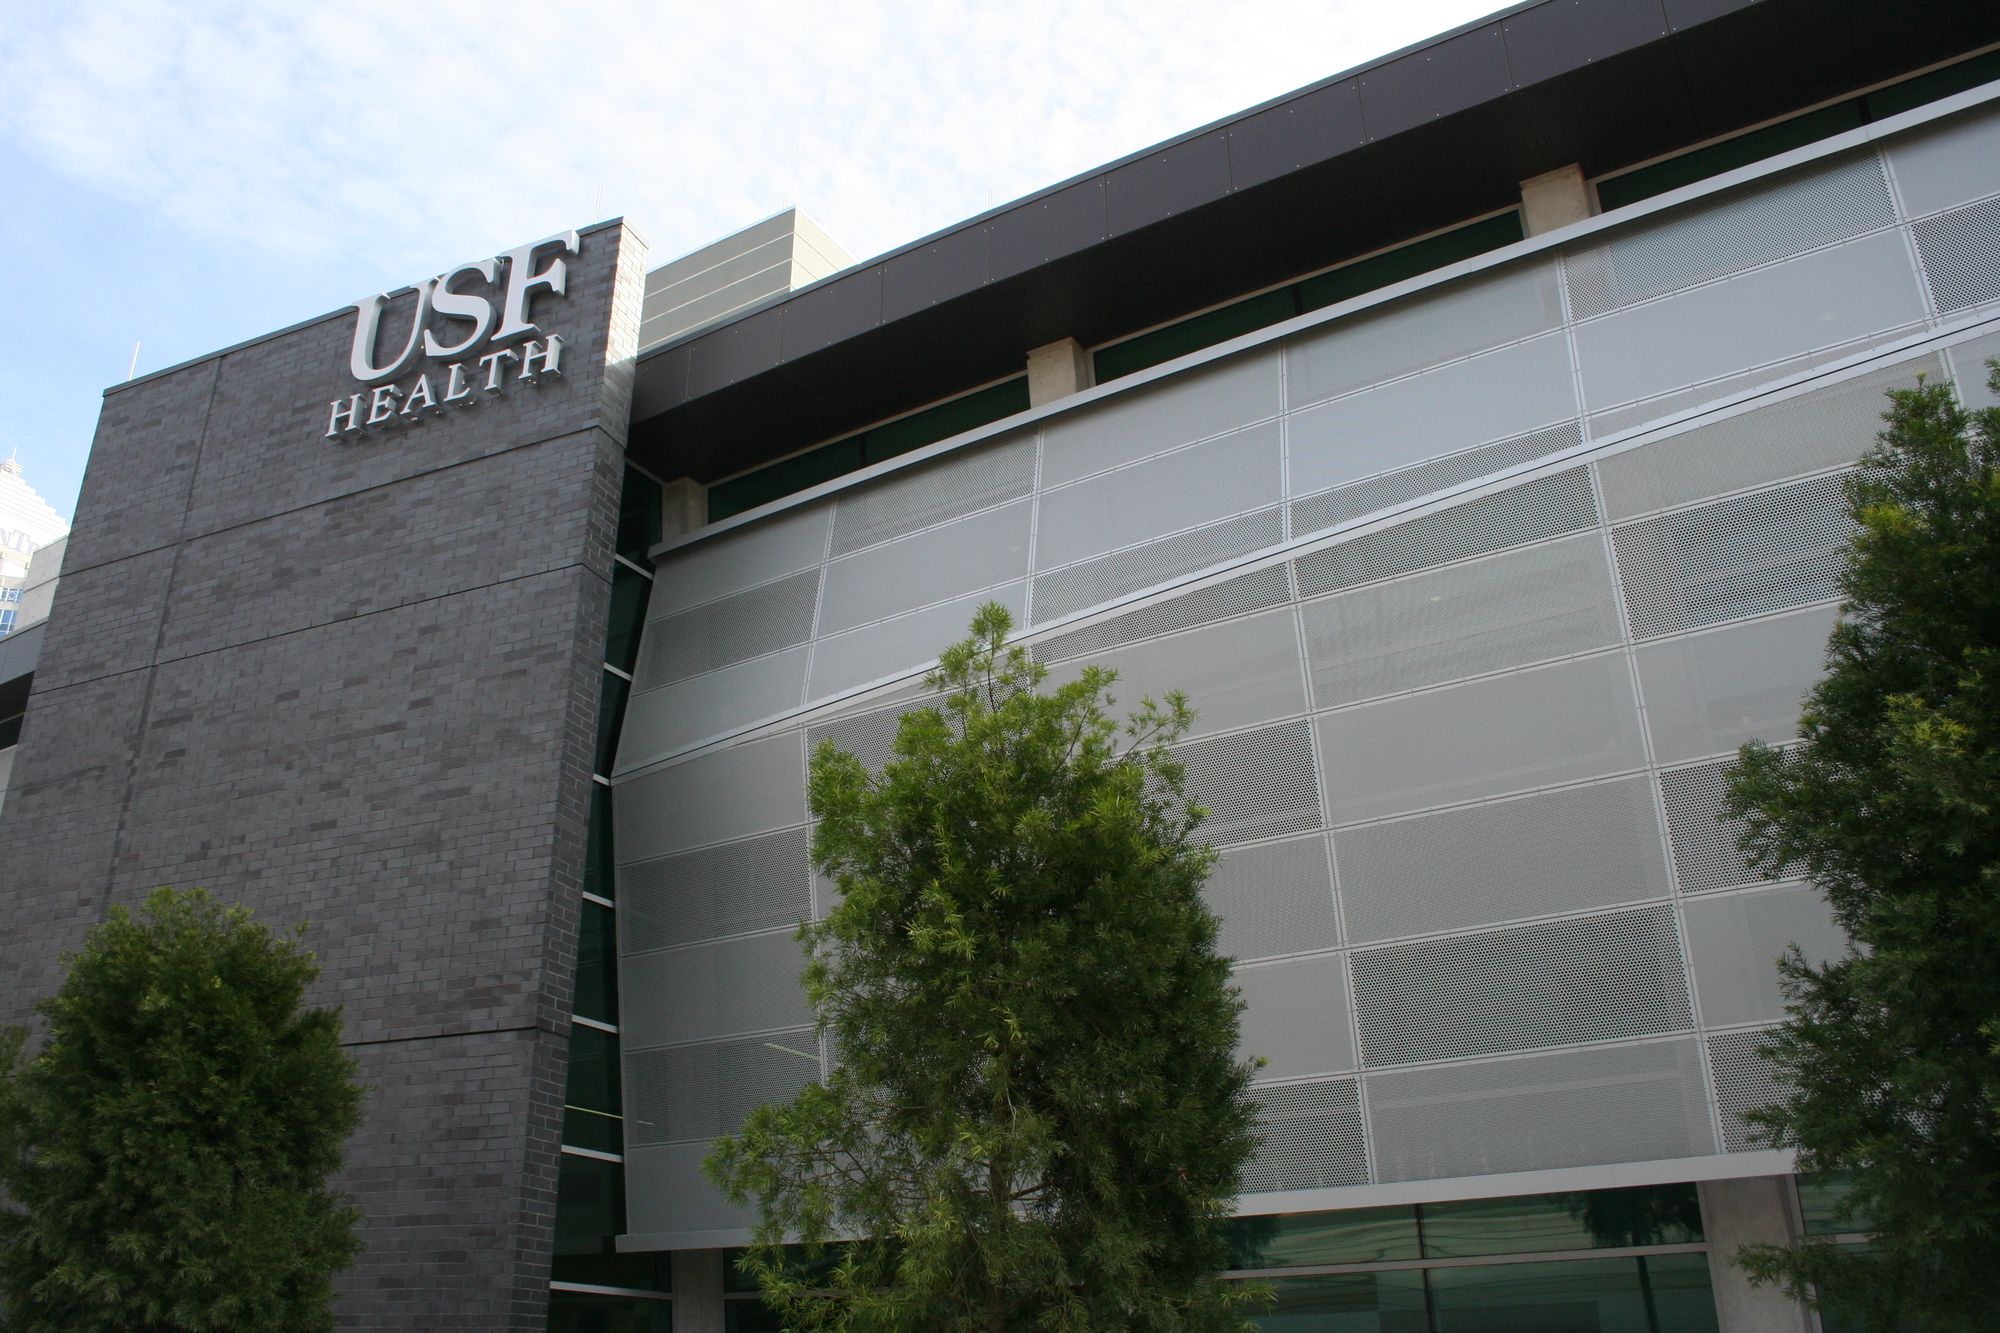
{"x": 167, "y": 1148}
{"x": 1037, "y": 1117}
{"x": 1889, "y": 1054}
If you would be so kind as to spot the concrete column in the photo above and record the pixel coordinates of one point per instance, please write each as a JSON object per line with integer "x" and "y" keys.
{"x": 684, "y": 506}
{"x": 1735, "y": 1213}
{"x": 1554, "y": 199}
{"x": 1057, "y": 370}
{"x": 697, "y": 1291}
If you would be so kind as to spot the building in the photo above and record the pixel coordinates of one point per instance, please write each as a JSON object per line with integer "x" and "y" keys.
{"x": 27, "y": 524}
{"x": 1464, "y": 435}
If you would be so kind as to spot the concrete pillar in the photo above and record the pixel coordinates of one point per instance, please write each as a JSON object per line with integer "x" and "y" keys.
{"x": 1057, "y": 370}
{"x": 1735, "y": 1213}
{"x": 697, "y": 1291}
{"x": 1554, "y": 199}
{"x": 684, "y": 506}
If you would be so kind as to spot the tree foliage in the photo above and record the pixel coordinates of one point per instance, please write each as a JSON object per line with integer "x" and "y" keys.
{"x": 1889, "y": 806}
{"x": 167, "y": 1149}
{"x": 1036, "y": 1118}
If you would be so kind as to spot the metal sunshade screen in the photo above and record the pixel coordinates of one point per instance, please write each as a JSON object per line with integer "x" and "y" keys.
{"x": 1708, "y": 693}
{"x": 1826, "y": 428}
{"x": 692, "y": 1093}
{"x": 1159, "y": 496}
{"x": 1344, "y": 503}
{"x": 1961, "y": 253}
{"x": 964, "y": 484}
{"x": 680, "y": 713}
{"x": 1545, "y": 507}
{"x": 1735, "y": 940}
{"x": 1256, "y": 590}
{"x": 869, "y": 737}
{"x": 1563, "y": 982}
{"x": 1309, "y": 1137}
{"x": 1509, "y": 610}
{"x": 1236, "y": 674}
{"x": 1702, "y": 832}
{"x": 1254, "y": 784}
{"x": 741, "y": 886}
{"x": 737, "y": 561}
{"x": 1713, "y": 240}
{"x": 1274, "y": 898}
{"x": 755, "y": 787}
{"x": 1558, "y": 851}
{"x": 731, "y": 629}
{"x": 1742, "y": 557}
{"x": 1636, "y": 1103}
{"x": 930, "y": 566}
{"x": 1193, "y": 405}
{"x": 1744, "y": 1081}
{"x": 1094, "y": 582}
{"x": 1295, "y": 1017}
{"x": 720, "y": 988}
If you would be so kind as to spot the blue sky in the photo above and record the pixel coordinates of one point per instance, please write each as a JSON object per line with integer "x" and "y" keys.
{"x": 185, "y": 176}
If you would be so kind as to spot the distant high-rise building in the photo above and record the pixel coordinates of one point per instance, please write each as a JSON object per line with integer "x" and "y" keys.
{"x": 27, "y": 524}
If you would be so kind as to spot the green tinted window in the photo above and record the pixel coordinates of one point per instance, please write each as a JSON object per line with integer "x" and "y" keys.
{"x": 593, "y": 1312}
{"x": 1193, "y": 334}
{"x": 10, "y": 730}
{"x": 1930, "y": 87}
{"x": 629, "y": 589}
{"x": 590, "y": 1205}
{"x": 784, "y": 477}
{"x": 750, "y": 1316}
{"x": 598, "y": 859}
{"x": 640, "y": 515}
{"x": 1356, "y": 1236}
{"x": 1667, "y": 1293}
{"x": 1346, "y": 1303}
{"x": 1728, "y": 155}
{"x": 946, "y": 420}
{"x": 1409, "y": 261}
{"x": 647, "y": 1272}
{"x": 1597, "y": 1219}
{"x": 1825, "y": 1200}
{"x": 597, "y": 964}
{"x": 610, "y": 713}
{"x": 591, "y": 1107}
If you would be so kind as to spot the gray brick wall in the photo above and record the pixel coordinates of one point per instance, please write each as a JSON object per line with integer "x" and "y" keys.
{"x": 354, "y": 682}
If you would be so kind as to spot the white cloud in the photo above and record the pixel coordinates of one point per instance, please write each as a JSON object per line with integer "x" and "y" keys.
{"x": 414, "y": 134}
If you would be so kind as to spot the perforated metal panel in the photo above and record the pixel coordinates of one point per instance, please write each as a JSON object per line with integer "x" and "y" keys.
{"x": 1948, "y": 162}
{"x": 1561, "y": 982}
{"x": 964, "y": 483}
{"x": 699, "y": 1092}
{"x": 1094, "y": 582}
{"x": 1151, "y": 499}
{"x": 740, "y": 886}
{"x": 1235, "y": 674}
{"x": 1273, "y": 898}
{"x": 1830, "y": 427}
{"x": 1735, "y": 940}
{"x": 1961, "y": 252}
{"x": 1309, "y": 1137}
{"x": 1534, "y": 728}
{"x": 1744, "y": 1081}
{"x": 1189, "y": 407}
{"x": 741, "y": 626}
{"x": 719, "y": 797}
{"x": 749, "y": 983}
{"x": 739, "y": 560}
{"x": 1506, "y": 610}
{"x": 668, "y": 719}
{"x": 1259, "y": 588}
{"x": 1254, "y": 784}
{"x": 1635, "y": 1103}
{"x": 1708, "y": 693}
{"x": 1559, "y": 851}
{"x": 1741, "y": 557}
{"x": 1968, "y": 361}
{"x": 869, "y": 736}
{"x": 1820, "y": 299}
{"x": 902, "y": 644}
{"x": 1545, "y": 507}
{"x": 1345, "y": 503}
{"x": 938, "y": 563}
{"x": 1710, "y": 239}
{"x": 1424, "y": 330}
{"x": 1295, "y": 1018}
{"x": 1701, "y": 831}
{"x": 1493, "y": 395}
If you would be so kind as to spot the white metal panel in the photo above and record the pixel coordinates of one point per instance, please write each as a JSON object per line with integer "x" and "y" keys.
{"x": 1527, "y": 729}
{"x": 1744, "y": 1081}
{"x": 1236, "y": 674}
{"x": 746, "y": 984}
{"x": 739, "y": 560}
{"x": 1427, "y": 329}
{"x": 1296, "y": 1016}
{"x": 754, "y": 884}
{"x": 1269, "y": 586}
{"x": 1182, "y": 490}
{"x": 1558, "y": 851}
{"x": 668, "y": 720}
{"x": 690, "y": 1094}
{"x": 1491, "y": 396}
{"x": 1635, "y": 1103}
{"x": 1152, "y": 418}
{"x": 1830, "y": 296}
{"x": 1735, "y": 939}
{"x": 1708, "y": 693}
{"x": 939, "y": 563}
{"x": 1961, "y": 254}
{"x": 733, "y": 629}
{"x": 718, "y": 797}
{"x": 1950, "y": 162}
{"x": 1968, "y": 360}
{"x": 962, "y": 483}
{"x": 1391, "y": 489}
{"x": 1308, "y": 1137}
{"x": 1273, "y": 898}
{"x": 1092, "y": 583}
{"x": 665, "y": 1192}
{"x": 904, "y": 644}
{"x": 1254, "y": 784}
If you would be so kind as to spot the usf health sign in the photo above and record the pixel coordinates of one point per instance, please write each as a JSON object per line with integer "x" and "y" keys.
{"x": 472, "y": 334}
